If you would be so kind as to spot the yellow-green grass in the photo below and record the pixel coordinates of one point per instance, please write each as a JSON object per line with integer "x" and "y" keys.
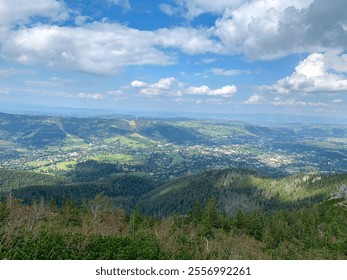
{"x": 135, "y": 140}
{"x": 66, "y": 165}
{"x": 214, "y": 130}
{"x": 131, "y": 142}
{"x": 71, "y": 143}
{"x": 21, "y": 150}
{"x": 290, "y": 189}
{"x": 132, "y": 123}
{"x": 115, "y": 157}
{"x": 111, "y": 140}
{"x": 6, "y": 144}
{"x": 177, "y": 159}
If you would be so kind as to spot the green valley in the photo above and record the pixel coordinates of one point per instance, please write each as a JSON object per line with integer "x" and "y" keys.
{"x": 142, "y": 188}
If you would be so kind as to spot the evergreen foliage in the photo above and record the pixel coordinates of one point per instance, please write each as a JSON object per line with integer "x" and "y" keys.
{"x": 39, "y": 231}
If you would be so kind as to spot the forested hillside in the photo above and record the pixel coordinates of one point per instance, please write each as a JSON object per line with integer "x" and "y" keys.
{"x": 243, "y": 190}
{"x": 234, "y": 189}
{"x": 93, "y": 231}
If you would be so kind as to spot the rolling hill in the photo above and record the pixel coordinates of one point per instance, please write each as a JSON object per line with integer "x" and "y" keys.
{"x": 234, "y": 189}
{"x": 244, "y": 190}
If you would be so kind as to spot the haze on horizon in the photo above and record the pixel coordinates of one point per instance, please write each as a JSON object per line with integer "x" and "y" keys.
{"x": 229, "y": 56}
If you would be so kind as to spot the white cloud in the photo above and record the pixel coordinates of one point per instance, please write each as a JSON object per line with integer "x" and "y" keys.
{"x": 164, "y": 83}
{"x": 260, "y": 29}
{"x": 98, "y": 48}
{"x": 189, "y": 40}
{"x": 169, "y": 9}
{"x": 265, "y": 29}
{"x": 254, "y": 99}
{"x": 137, "y": 84}
{"x": 165, "y": 86}
{"x": 270, "y": 29}
{"x": 296, "y": 103}
{"x": 317, "y": 73}
{"x": 102, "y": 48}
{"x": 337, "y": 101}
{"x": 123, "y": 3}
{"x": 193, "y": 8}
{"x": 80, "y": 20}
{"x": 172, "y": 87}
{"x": 230, "y": 72}
{"x": 257, "y": 28}
{"x": 202, "y": 90}
{"x": 336, "y": 61}
{"x": 208, "y": 60}
{"x": 226, "y": 91}
{"x": 94, "y": 96}
{"x": 17, "y": 12}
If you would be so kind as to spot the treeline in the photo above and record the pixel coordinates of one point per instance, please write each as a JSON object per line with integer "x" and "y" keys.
{"x": 95, "y": 230}
{"x": 124, "y": 190}
{"x": 13, "y": 179}
{"x": 234, "y": 189}
{"x": 89, "y": 179}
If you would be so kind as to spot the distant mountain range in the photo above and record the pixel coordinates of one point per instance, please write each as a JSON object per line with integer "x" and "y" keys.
{"x": 15, "y": 108}
{"x": 41, "y": 130}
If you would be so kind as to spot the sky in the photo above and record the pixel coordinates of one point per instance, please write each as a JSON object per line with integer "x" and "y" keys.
{"x": 200, "y": 56}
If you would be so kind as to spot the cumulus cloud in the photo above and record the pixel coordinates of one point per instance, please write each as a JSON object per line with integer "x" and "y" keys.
{"x": 317, "y": 73}
{"x": 264, "y": 29}
{"x": 138, "y": 84}
{"x": 226, "y": 91}
{"x": 101, "y": 48}
{"x": 16, "y": 12}
{"x": 98, "y": 48}
{"x": 165, "y": 86}
{"x": 189, "y": 40}
{"x": 260, "y": 29}
{"x": 254, "y": 99}
{"x": 267, "y": 29}
{"x": 193, "y": 8}
{"x": 172, "y": 87}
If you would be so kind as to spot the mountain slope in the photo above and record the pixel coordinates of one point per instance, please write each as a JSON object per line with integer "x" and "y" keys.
{"x": 20, "y": 179}
{"x": 240, "y": 189}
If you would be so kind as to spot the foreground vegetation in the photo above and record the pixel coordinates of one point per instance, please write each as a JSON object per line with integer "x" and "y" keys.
{"x": 94, "y": 231}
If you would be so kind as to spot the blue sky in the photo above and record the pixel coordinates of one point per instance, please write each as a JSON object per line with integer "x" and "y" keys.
{"x": 235, "y": 56}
